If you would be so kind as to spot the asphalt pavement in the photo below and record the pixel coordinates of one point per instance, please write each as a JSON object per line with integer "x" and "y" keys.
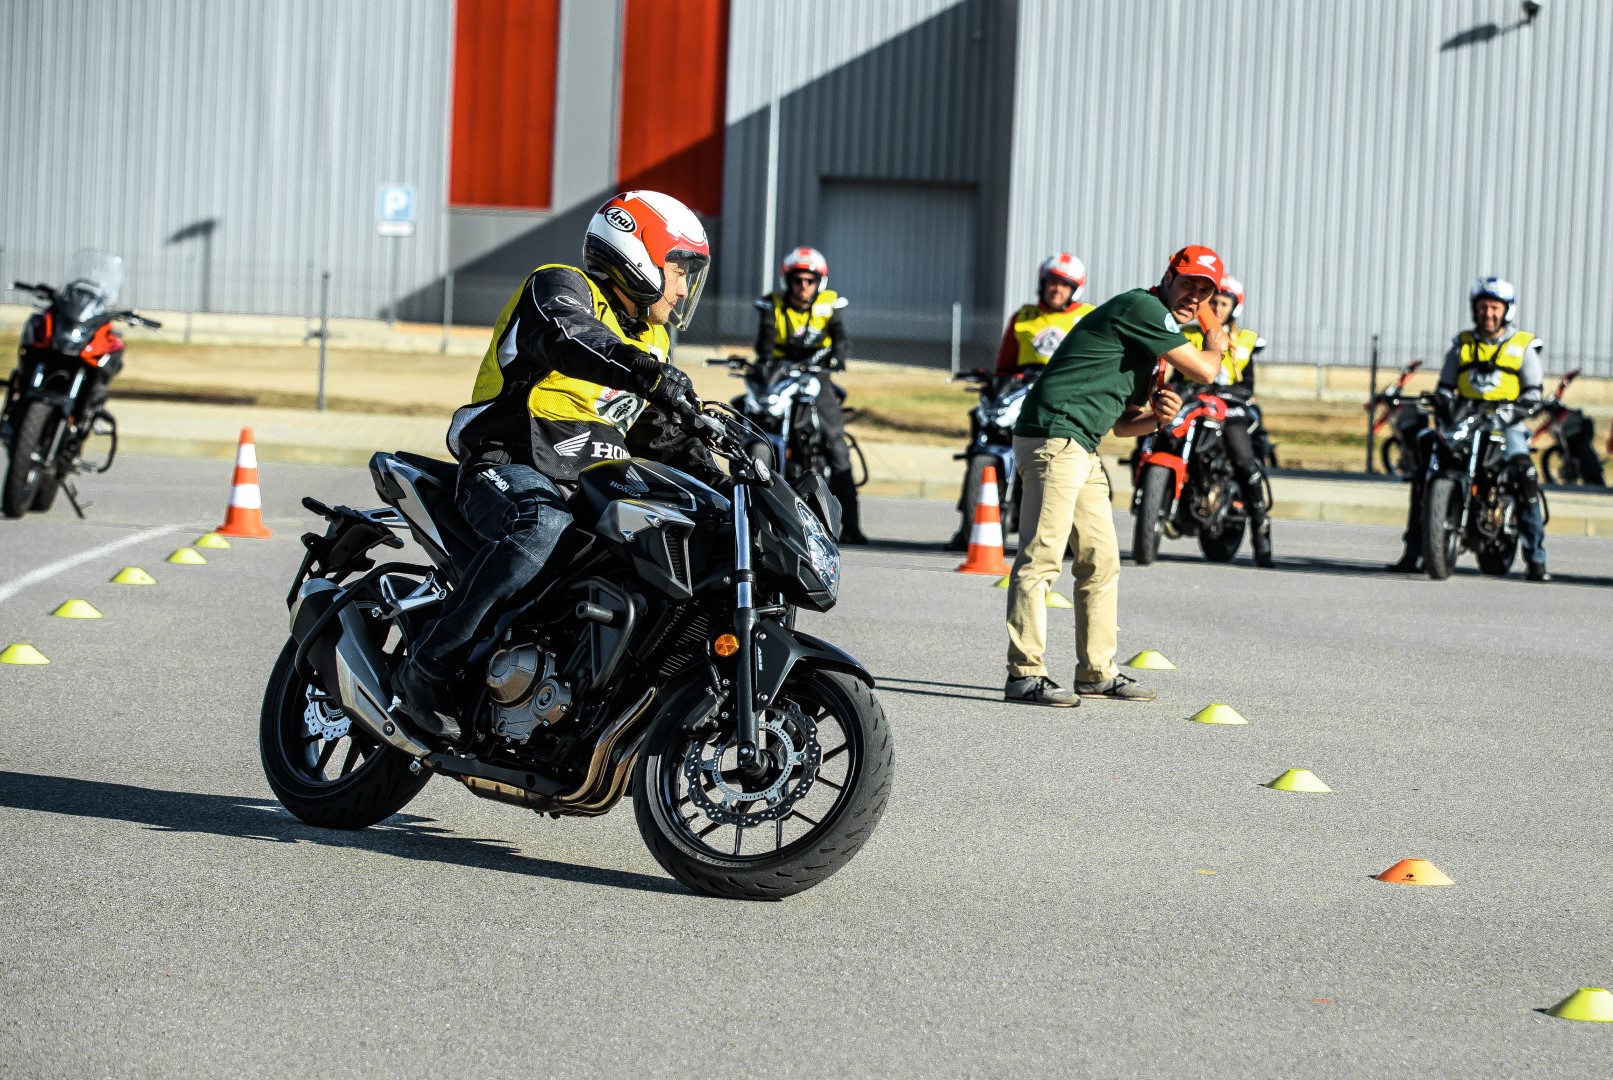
{"x": 1107, "y": 891}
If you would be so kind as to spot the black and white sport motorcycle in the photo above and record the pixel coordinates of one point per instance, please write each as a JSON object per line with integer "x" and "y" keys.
{"x": 991, "y": 442}
{"x": 660, "y": 657}
{"x": 781, "y": 403}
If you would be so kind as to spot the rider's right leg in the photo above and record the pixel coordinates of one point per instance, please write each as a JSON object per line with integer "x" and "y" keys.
{"x": 520, "y": 513}
{"x": 1252, "y": 482}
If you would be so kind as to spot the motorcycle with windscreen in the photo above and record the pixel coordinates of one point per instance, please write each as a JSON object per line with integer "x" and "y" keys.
{"x": 659, "y": 658}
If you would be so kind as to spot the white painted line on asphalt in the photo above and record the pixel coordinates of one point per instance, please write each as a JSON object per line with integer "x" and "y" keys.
{"x": 45, "y": 573}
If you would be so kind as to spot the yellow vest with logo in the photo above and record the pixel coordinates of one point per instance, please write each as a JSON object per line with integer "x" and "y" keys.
{"x": 1040, "y": 332}
{"x": 561, "y": 397}
{"x": 1235, "y": 361}
{"x": 804, "y": 328}
{"x": 1489, "y": 372}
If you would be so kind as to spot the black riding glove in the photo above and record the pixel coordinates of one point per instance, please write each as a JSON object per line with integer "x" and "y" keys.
{"x": 667, "y": 388}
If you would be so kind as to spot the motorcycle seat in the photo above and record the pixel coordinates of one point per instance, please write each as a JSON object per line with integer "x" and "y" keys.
{"x": 439, "y": 500}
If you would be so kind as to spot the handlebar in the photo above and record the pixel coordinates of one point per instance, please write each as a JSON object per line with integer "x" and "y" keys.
{"x": 134, "y": 318}
{"x": 42, "y": 290}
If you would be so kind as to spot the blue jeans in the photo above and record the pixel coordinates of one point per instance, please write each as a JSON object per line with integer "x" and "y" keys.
{"x": 520, "y": 513}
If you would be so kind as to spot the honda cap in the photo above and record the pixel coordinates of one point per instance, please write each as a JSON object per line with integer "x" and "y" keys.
{"x": 1196, "y": 260}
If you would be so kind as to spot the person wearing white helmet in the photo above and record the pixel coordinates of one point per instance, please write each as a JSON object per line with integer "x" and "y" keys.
{"x": 802, "y": 321}
{"x": 576, "y": 355}
{"x": 1242, "y": 430}
{"x": 1494, "y": 361}
{"x": 1035, "y": 330}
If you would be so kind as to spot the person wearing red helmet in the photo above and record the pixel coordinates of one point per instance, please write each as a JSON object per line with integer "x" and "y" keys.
{"x": 1244, "y": 439}
{"x": 799, "y": 322}
{"x": 1103, "y": 377}
{"x": 1035, "y": 330}
{"x": 577, "y": 354}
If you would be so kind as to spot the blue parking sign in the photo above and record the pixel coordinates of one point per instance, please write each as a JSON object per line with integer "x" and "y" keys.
{"x": 394, "y": 209}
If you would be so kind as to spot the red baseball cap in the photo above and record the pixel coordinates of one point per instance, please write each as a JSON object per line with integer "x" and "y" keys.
{"x": 1196, "y": 260}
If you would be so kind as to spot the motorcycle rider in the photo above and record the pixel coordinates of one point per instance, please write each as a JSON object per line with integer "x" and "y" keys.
{"x": 1032, "y": 333}
{"x": 798, "y": 321}
{"x": 1235, "y": 382}
{"x": 1491, "y": 362}
{"x": 1035, "y": 330}
{"x": 575, "y": 357}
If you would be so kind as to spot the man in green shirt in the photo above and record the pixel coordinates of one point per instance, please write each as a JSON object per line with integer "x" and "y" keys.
{"x": 1102, "y": 378}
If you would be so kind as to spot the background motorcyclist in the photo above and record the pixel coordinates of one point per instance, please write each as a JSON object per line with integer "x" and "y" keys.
{"x": 1241, "y": 431}
{"x": 1493, "y": 362}
{"x": 576, "y": 355}
{"x": 1035, "y": 330}
{"x": 798, "y": 321}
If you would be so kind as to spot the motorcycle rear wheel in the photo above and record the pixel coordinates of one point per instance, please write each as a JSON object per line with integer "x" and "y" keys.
{"x": 371, "y": 780}
{"x": 23, "y": 473}
{"x": 1222, "y": 546}
{"x": 1497, "y": 560}
{"x": 1441, "y": 512}
{"x": 1150, "y": 520}
{"x": 830, "y": 797}
{"x": 1555, "y": 468}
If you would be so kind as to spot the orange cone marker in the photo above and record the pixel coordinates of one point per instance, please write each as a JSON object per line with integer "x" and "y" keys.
{"x": 244, "y": 515}
{"x": 986, "y": 536}
{"x": 1415, "y": 872}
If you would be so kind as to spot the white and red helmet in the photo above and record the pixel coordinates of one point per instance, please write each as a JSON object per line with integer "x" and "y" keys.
{"x": 1231, "y": 286}
{"x": 633, "y": 237}
{"x": 1062, "y": 266}
{"x": 805, "y": 260}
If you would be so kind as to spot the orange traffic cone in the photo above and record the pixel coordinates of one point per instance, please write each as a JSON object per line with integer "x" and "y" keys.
{"x": 986, "y": 537}
{"x": 244, "y": 515}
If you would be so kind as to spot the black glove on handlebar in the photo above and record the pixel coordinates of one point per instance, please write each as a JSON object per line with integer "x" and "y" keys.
{"x": 668, "y": 389}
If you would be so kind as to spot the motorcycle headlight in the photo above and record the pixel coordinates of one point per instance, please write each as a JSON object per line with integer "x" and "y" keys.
{"x": 822, "y": 551}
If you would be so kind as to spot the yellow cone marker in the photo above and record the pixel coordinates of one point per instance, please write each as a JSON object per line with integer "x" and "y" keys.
{"x": 1586, "y": 1003}
{"x": 1056, "y": 600}
{"x": 1149, "y": 660}
{"x": 187, "y": 557}
{"x": 1299, "y": 780}
{"x": 212, "y": 541}
{"x": 1002, "y": 582}
{"x": 1218, "y": 714}
{"x": 77, "y": 609}
{"x": 133, "y": 575}
{"x": 22, "y": 653}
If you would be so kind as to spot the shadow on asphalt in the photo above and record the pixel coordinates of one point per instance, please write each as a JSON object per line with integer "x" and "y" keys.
{"x": 948, "y": 689}
{"x": 1368, "y": 568}
{"x": 406, "y": 836}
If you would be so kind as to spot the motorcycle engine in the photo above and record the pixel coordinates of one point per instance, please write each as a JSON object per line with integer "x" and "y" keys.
{"x": 526, "y": 695}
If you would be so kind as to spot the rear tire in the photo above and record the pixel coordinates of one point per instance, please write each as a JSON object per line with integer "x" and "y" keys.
{"x": 827, "y": 845}
{"x": 1554, "y": 465}
{"x": 1497, "y": 561}
{"x": 23, "y": 474}
{"x": 1223, "y": 546}
{"x": 378, "y": 785}
{"x": 1156, "y": 492}
{"x": 1440, "y": 513}
{"x": 1392, "y": 458}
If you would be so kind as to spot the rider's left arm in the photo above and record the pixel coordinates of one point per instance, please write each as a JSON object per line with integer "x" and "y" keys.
{"x": 839, "y": 344}
{"x": 1532, "y": 376}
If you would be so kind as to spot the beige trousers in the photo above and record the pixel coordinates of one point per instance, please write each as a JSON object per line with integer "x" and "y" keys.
{"x": 1063, "y": 490}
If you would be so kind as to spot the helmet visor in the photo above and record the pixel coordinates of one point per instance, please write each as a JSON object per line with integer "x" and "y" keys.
{"x": 694, "y": 267}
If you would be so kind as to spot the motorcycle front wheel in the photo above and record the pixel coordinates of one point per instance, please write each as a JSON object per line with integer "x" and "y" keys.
{"x": 23, "y": 472}
{"x": 1150, "y": 520}
{"x": 1441, "y": 512}
{"x": 763, "y": 835}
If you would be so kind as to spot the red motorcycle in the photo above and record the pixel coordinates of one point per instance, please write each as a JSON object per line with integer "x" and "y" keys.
{"x": 1184, "y": 483}
{"x": 1405, "y": 416}
{"x": 1571, "y": 456}
{"x": 56, "y": 398}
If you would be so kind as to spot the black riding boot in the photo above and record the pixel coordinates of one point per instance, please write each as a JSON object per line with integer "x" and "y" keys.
{"x": 844, "y": 489}
{"x": 1254, "y": 498}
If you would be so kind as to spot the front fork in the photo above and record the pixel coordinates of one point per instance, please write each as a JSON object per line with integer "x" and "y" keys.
{"x": 744, "y": 630}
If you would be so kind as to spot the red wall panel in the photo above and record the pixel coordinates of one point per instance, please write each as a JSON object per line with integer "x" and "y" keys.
{"x": 505, "y": 57}
{"x": 674, "y": 83}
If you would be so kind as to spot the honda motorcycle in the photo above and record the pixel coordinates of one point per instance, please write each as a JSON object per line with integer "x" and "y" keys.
{"x": 56, "y": 397}
{"x": 1184, "y": 483}
{"x": 991, "y": 442}
{"x": 1405, "y": 416}
{"x": 785, "y": 416}
{"x": 1472, "y": 498}
{"x": 660, "y": 657}
{"x": 1570, "y": 458}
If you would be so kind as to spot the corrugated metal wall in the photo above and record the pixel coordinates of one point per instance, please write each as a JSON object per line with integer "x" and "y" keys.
{"x": 901, "y": 91}
{"x": 254, "y": 133}
{"x": 1362, "y": 163}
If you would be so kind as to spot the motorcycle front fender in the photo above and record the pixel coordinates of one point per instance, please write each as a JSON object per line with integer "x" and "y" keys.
{"x": 780, "y": 650}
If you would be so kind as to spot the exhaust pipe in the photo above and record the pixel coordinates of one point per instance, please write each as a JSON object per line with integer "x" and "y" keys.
{"x": 347, "y": 657}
